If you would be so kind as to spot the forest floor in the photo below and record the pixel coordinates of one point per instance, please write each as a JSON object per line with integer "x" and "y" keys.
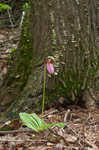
{"x": 82, "y": 125}
{"x": 81, "y": 132}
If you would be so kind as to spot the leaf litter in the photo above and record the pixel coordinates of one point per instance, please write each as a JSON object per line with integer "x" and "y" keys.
{"x": 80, "y": 133}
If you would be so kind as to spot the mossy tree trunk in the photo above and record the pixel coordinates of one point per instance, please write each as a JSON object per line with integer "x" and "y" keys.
{"x": 68, "y": 31}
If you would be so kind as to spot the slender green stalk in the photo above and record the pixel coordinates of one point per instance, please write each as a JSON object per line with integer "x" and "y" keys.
{"x": 44, "y": 86}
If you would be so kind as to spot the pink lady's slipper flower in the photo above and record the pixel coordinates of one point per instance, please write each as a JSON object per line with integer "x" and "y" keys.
{"x": 50, "y": 66}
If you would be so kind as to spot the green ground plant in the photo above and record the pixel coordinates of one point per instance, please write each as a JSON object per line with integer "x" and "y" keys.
{"x": 37, "y": 124}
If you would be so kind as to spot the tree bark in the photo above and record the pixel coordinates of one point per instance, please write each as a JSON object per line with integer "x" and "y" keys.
{"x": 68, "y": 31}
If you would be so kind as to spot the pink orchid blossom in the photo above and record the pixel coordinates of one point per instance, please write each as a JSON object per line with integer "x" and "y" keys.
{"x": 50, "y": 68}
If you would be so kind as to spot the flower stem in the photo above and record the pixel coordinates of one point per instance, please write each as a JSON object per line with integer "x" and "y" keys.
{"x": 44, "y": 86}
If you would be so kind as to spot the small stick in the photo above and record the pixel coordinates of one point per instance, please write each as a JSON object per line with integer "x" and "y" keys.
{"x": 25, "y": 140}
{"x": 67, "y": 116}
{"x": 52, "y": 112}
{"x": 16, "y": 131}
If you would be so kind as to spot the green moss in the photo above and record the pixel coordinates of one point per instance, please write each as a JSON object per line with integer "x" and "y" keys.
{"x": 72, "y": 86}
{"x": 23, "y": 65}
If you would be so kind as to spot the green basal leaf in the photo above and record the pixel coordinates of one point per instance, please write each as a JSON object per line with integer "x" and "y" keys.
{"x": 61, "y": 125}
{"x": 34, "y": 122}
{"x": 39, "y": 121}
{"x": 28, "y": 120}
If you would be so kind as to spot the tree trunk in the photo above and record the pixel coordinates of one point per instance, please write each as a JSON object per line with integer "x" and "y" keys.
{"x": 68, "y": 31}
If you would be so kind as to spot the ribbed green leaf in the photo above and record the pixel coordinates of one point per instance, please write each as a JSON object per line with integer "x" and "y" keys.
{"x": 29, "y": 121}
{"x": 34, "y": 122}
{"x": 37, "y": 119}
{"x": 61, "y": 125}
